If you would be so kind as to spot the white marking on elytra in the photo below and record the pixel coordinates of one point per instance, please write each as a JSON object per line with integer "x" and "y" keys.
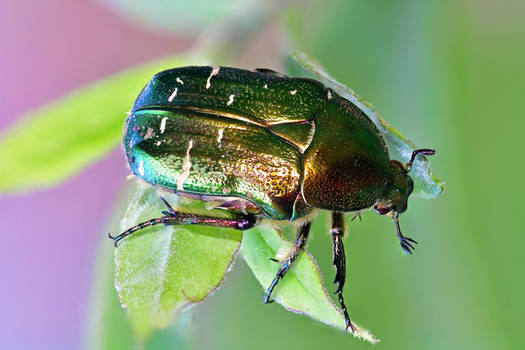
{"x": 172, "y": 96}
{"x": 158, "y": 143}
{"x": 179, "y": 80}
{"x": 149, "y": 134}
{"x": 214, "y": 71}
{"x": 219, "y": 137}
{"x": 141, "y": 167}
{"x": 293, "y": 92}
{"x": 266, "y": 86}
{"x": 329, "y": 94}
{"x": 230, "y": 100}
{"x": 186, "y": 166}
{"x": 163, "y": 125}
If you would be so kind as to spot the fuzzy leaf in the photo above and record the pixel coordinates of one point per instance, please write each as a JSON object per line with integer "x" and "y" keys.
{"x": 302, "y": 289}
{"x": 425, "y": 183}
{"x": 109, "y": 324}
{"x": 162, "y": 269}
{"x": 53, "y": 143}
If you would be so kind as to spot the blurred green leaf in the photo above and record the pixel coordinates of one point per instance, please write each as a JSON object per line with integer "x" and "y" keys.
{"x": 302, "y": 290}
{"x": 189, "y": 17}
{"x": 162, "y": 269}
{"x": 55, "y": 142}
{"x": 425, "y": 183}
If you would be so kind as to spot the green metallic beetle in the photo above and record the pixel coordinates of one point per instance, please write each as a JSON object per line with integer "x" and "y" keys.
{"x": 266, "y": 146}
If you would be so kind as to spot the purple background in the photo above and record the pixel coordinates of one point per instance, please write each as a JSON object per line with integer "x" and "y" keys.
{"x": 49, "y": 48}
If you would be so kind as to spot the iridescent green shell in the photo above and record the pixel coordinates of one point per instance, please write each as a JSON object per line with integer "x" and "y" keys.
{"x": 285, "y": 144}
{"x": 195, "y": 152}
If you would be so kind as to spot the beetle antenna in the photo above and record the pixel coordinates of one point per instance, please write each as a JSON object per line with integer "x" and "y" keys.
{"x": 406, "y": 242}
{"x": 422, "y": 151}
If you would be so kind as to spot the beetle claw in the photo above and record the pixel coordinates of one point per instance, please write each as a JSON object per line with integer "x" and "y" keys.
{"x": 171, "y": 212}
{"x": 358, "y": 215}
{"x": 351, "y": 326}
{"x": 114, "y": 238}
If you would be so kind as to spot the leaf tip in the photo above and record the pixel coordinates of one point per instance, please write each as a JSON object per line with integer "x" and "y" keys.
{"x": 364, "y": 334}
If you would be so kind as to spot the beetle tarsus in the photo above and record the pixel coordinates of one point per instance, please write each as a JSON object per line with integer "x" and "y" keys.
{"x": 280, "y": 274}
{"x": 348, "y": 323}
{"x": 300, "y": 242}
{"x": 339, "y": 262}
{"x": 131, "y": 230}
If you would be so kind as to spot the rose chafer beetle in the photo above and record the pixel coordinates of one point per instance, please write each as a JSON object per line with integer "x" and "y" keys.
{"x": 265, "y": 146}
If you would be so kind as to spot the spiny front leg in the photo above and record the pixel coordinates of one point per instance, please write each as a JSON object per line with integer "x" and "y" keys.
{"x": 300, "y": 242}
{"x": 337, "y": 232}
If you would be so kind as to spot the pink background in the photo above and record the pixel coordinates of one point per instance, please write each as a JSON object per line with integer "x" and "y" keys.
{"x": 47, "y": 49}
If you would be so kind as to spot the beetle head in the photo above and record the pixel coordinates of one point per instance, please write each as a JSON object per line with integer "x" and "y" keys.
{"x": 395, "y": 196}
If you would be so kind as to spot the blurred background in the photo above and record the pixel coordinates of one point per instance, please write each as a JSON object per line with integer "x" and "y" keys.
{"x": 449, "y": 74}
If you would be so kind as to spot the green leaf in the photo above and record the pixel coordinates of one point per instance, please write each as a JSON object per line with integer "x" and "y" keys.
{"x": 109, "y": 326}
{"x": 189, "y": 17}
{"x": 53, "y": 143}
{"x": 425, "y": 183}
{"x": 302, "y": 290}
{"x": 162, "y": 269}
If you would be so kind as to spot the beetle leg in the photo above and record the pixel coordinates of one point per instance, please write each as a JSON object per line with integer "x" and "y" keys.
{"x": 339, "y": 261}
{"x": 406, "y": 242}
{"x": 300, "y": 242}
{"x": 179, "y": 218}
